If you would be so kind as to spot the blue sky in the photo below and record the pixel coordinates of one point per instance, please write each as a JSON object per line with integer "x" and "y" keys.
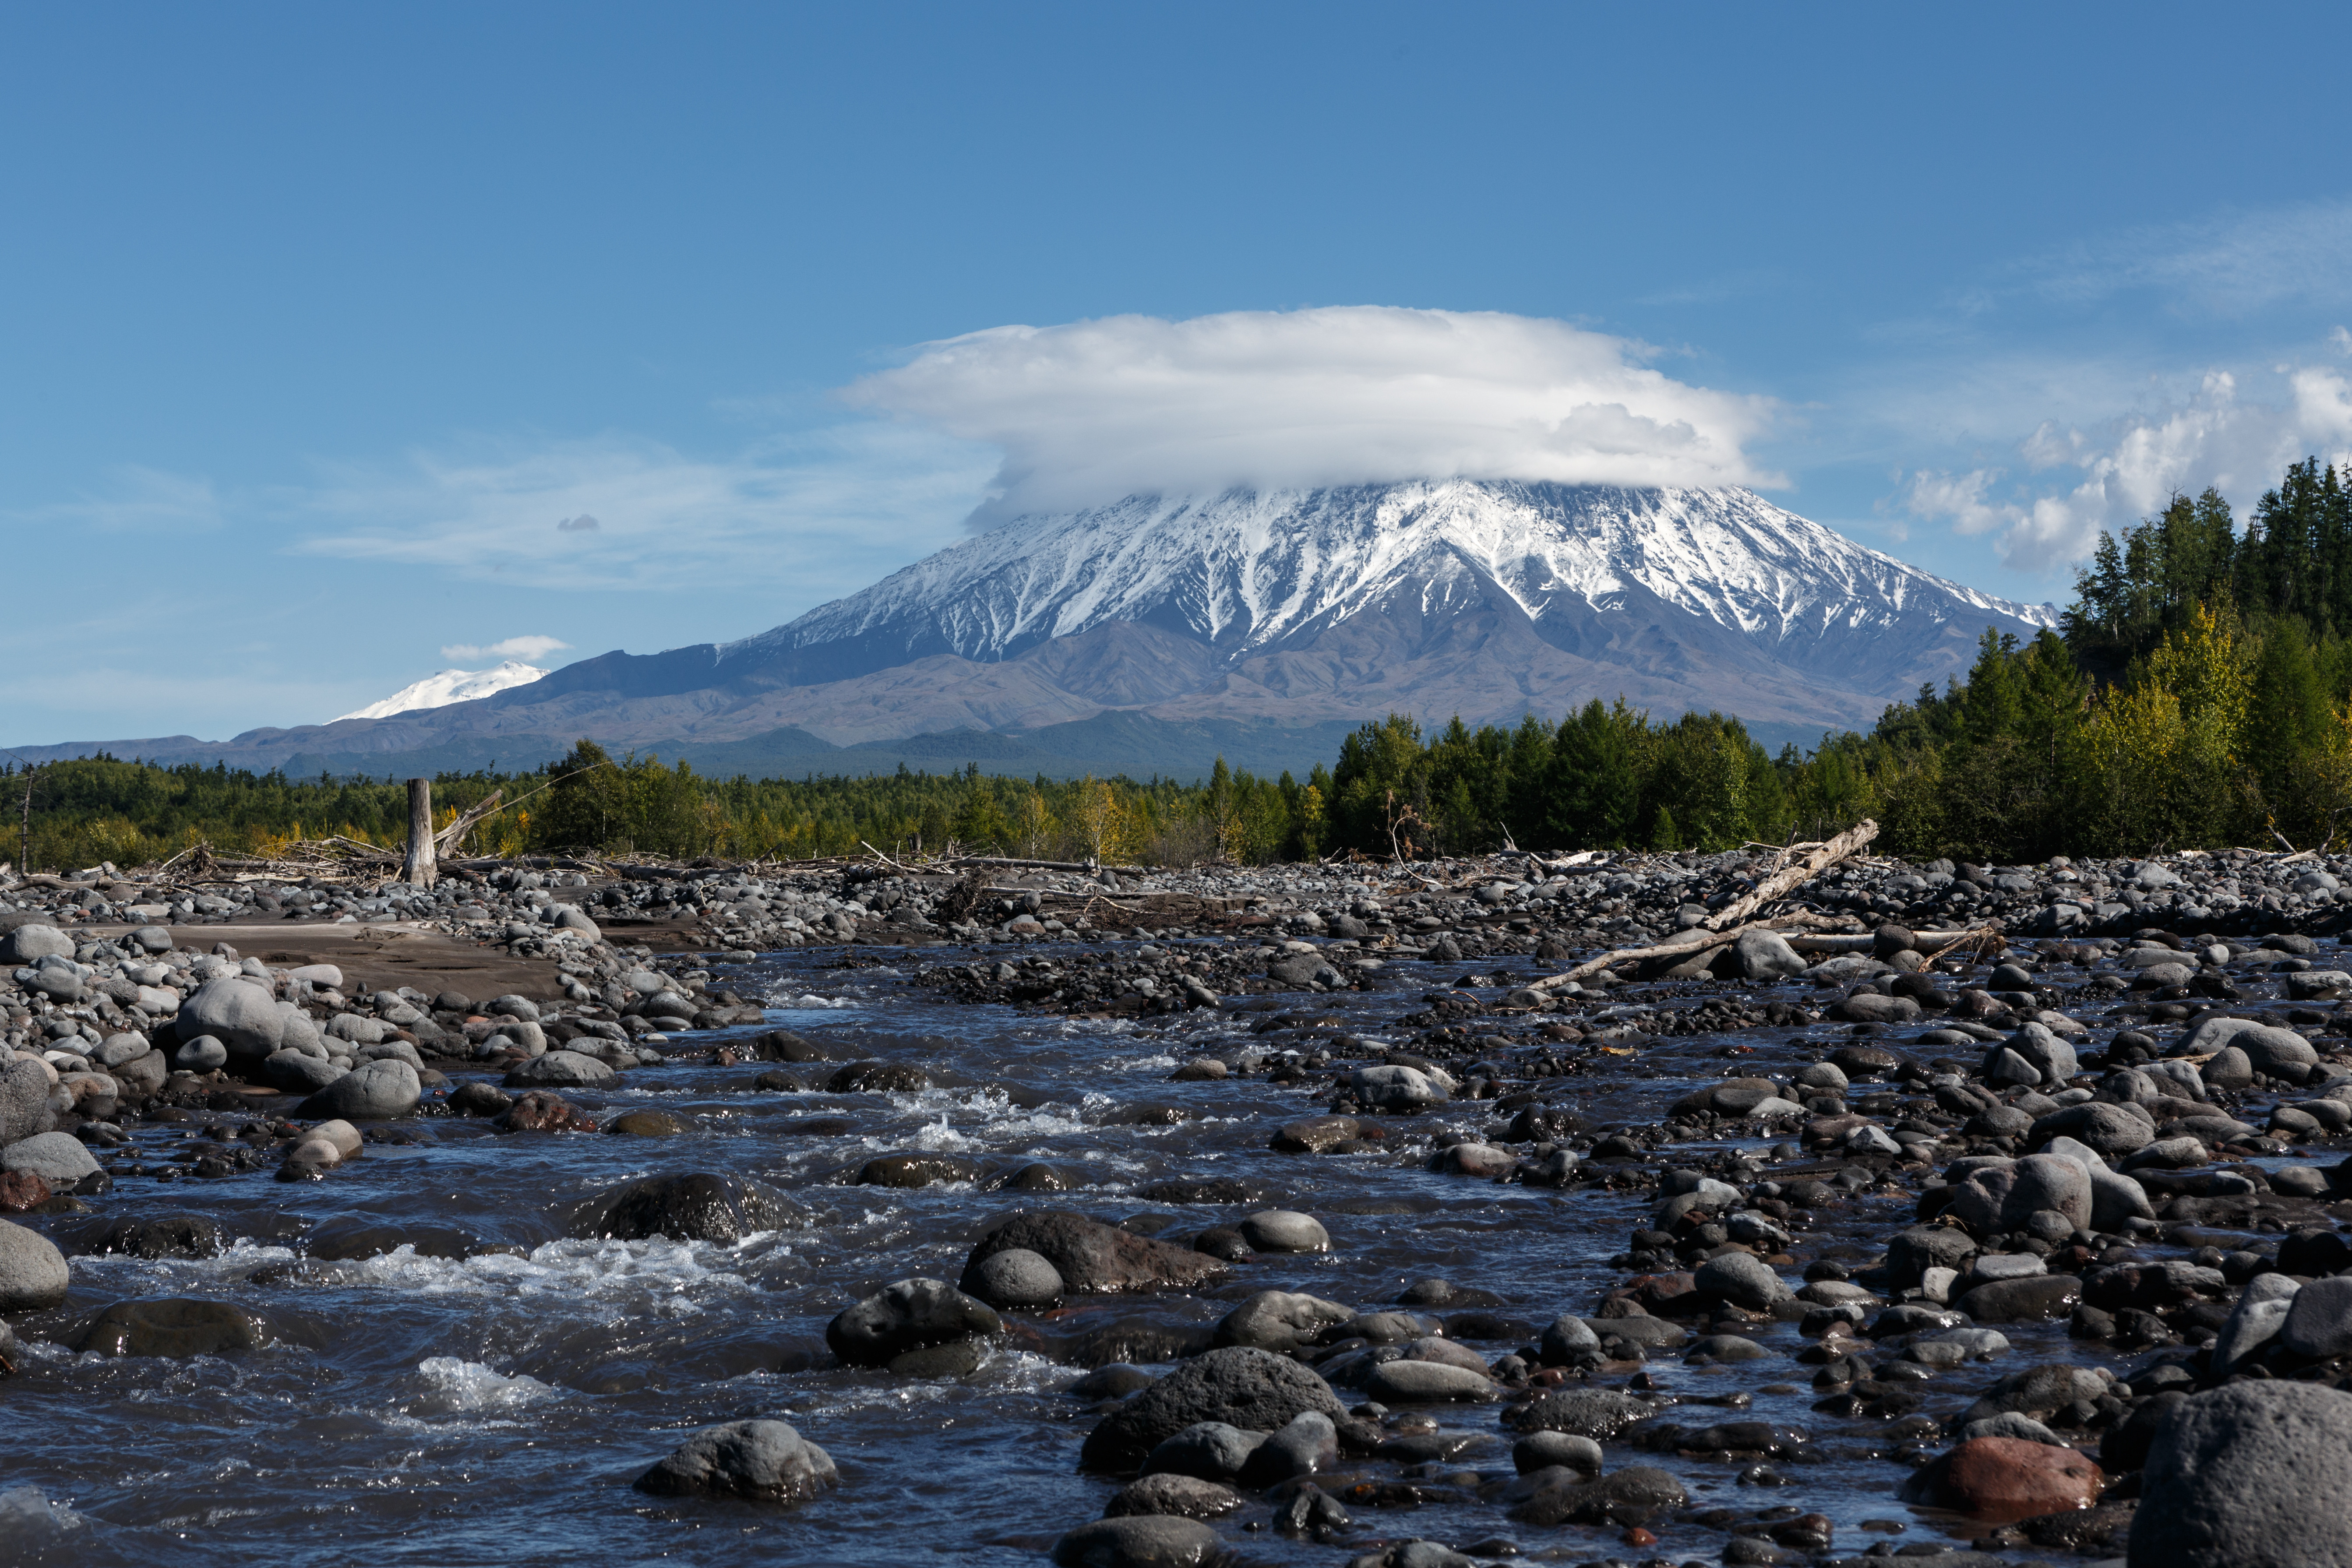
{"x": 319, "y": 320}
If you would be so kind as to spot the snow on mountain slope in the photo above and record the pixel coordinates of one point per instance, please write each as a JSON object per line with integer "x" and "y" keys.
{"x": 449, "y": 686}
{"x": 1245, "y": 570}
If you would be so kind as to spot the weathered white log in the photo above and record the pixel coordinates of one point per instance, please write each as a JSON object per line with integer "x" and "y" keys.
{"x": 419, "y": 870}
{"x": 1794, "y": 875}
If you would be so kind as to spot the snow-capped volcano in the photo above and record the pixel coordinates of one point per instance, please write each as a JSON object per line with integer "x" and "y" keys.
{"x": 1300, "y": 611}
{"x": 440, "y": 690}
{"x": 1250, "y": 572}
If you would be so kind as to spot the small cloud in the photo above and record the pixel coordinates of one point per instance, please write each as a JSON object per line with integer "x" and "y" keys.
{"x": 526, "y": 649}
{"x": 2341, "y": 340}
{"x": 584, "y": 523}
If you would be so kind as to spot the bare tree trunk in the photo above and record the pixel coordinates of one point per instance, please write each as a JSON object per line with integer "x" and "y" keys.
{"x": 419, "y": 870}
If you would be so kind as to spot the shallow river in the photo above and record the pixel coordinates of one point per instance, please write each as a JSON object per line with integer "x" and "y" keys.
{"x": 486, "y": 1391}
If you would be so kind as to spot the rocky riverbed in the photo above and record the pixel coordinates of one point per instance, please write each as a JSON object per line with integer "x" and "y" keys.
{"x": 1285, "y": 1213}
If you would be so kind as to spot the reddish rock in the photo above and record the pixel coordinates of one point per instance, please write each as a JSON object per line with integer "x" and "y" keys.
{"x": 22, "y": 1190}
{"x": 541, "y": 1111}
{"x": 2008, "y": 1478}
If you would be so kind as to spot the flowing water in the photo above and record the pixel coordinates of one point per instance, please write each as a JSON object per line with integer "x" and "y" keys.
{"x": 486, "y": 1391}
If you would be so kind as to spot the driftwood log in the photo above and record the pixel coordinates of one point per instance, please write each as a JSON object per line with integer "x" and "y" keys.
{"x": 1788, "y": 878}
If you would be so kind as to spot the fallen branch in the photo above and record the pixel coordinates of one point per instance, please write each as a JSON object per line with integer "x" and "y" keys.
{"x": 1922, "y": 941}
{"x": 445, "y": 842}
{"x": 1078, "y": 865}
{"x": 1780, "y": 883}
{"x": 1691, "y": 943}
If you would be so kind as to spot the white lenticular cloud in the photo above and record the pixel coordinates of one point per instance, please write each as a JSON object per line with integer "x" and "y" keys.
{"x": 2133, "y": 468}
{"x": 1092, "y": 411}
{"x": 526, "y": 649}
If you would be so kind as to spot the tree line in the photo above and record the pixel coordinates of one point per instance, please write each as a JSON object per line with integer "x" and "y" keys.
{"x": 2197, "y": 693}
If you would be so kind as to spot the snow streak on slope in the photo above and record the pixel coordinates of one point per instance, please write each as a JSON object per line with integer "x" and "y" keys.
{"x": 449, "y": 686}
{"x": 1244, "y": 569}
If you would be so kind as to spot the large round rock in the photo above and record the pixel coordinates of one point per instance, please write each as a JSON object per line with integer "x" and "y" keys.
{"x": 911, "y": 1315}
{"x": 697, "y": 1207}
{"x": 1139, "y": 1540}
{"x": 59, "y": 1158}
{"x": 241, "y": 1016}
{"x": 24, "y": 1101}
{"x": 32, "y": 1270}
{"x": 176, "y": 1327}
{"x": 1093, "y": 1258}
{"x": 1252, "y": 1389}
{"x": 2248, "y": 1476}
{"x": 759, "y": 1461}
{"x": 378, "y": 1091}
{"x": 1015, "y": 1280}
{"x": 561, "y": 1069}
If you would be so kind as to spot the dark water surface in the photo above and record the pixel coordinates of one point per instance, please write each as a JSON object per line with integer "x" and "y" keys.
{"x": 486, "y": 1391}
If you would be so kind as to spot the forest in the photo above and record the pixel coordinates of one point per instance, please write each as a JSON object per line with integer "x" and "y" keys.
{"x": 2197, "y": 693}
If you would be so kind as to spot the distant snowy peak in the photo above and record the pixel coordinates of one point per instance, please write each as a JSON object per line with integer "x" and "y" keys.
{"x": 1247, "y": 569}
{"x": 450, "y": 686}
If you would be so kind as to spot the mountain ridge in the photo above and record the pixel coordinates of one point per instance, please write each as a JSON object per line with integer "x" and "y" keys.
{"x": 1297, "y": 608}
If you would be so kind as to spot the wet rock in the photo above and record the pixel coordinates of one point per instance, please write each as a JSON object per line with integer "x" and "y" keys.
{"x": 1317, "y": 1134}
{"x": 1307, "y": 1445}
{"x": 759, "y": 1462}
{"x": 1212, "y": 1190}
{"x": 476, "y": 1098}
{"x": 58, "y": 1158}
{"x": 1016, "y": 1280}
{"x": 2236, "y": 1478}
{"x": 1174, "y": 1496}
{"x": 561, "y": 1069}
{"x": 165, "y": 1235}
{"x": 1395, "y": 1088}
{"x": 1252, "y": 1389}
{"x": 2023, "y": 1300}
{"x": 877, "y": 1078}
{"x": 1743, "y": 1279}
{"x": 2007, "y": 1479}
{"x": 909, "y": 1316}
{"x": 697, "y": 1207}
{"x": 1631, "y": 1496}
{"x": 645, "y": 1124}
{"x": 544, "y": 1110}
{"x": 1139, "y": 1540}
{"x": 378, "y": 1091}
{"x": 1597, "y": 1413}
{"x": 1569, "y": 1340}
{"x": 1543, "y": 1450}
{"x": 32, "y": 1270}
{"x": 21, "y": 1192}
{"x": 1410, "y": 1381}
{"x": 1284, "y": 1230}
{"x": 1207, "y": 1450}
{"x": 1096, "y": 1259}
{"x": 1039, "y": 1177}
{"x": 911, "y": 1171}
{"x": 176, "y": 1327}
{"x": 1280, "y": 1321}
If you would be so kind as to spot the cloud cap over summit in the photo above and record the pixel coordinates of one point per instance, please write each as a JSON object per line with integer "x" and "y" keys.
{"x": 1092, "y": 411}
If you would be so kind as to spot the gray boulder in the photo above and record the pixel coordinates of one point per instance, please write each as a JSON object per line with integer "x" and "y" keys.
{"x": 2108, "y": 1130}
{"x": 1284, "y": 1230}
{"x": 32, "y": 1269}
{"x": 2318, "y": 1323}
{"x": 31, "y": 944}
{"x": 2255, "y": 1321}
{"x": 1252, "y": 1389}
{"x": 299, "y": 1074}
{"x": 1093, "y": 1258}
{"x": 759, "y": 1461}
{"x": 244, "y": 1018}
{"x": 1139, "y": 1540}
{"x": 1766, "y": 955}
{"x": 1308, "y": 1445}
{"x": 24, "y": 1101}
{"x": 58, "y": 1158}
{"x": 203, "y": 1053}
{"x": 1016, "y": 1280}
{"x": 1599, "y": 1413}
{"x": 2248, "y": 1476}
{"x": 1280, "y": 1321}
{"x": 564, "y": 1070}
{"x": 1395, "y": 1087}
{"x": 378, "y": 1091}
{"x": 1743, "y": 1279}
{"x": 911, "y": 1315}
{"x": 1207, "y": 1450}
